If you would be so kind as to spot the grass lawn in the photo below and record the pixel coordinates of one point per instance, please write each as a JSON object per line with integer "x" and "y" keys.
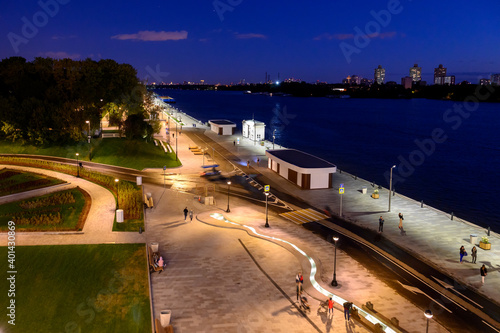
{"x": 13, "y": 181}
{"x": 40, "y": 213}
{"x": 79, "y": 288}
{"x": 135, "y": 154}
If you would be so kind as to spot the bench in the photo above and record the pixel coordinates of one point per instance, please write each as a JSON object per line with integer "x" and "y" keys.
{"x": 161, "y": 329}
{"x": 153, "y": 258}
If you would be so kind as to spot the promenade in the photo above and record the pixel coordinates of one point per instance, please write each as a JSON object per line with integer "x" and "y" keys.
{"x": 431, "y": 235}
{"x": 220, "y": 277}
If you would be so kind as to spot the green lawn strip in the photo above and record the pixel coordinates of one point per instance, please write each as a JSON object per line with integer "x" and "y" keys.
{"x": 71, "y": 213}
{"x": 13, "y": 181}
{"x": 134, "y": 154}
{"x": 80, "y": 288}
{"x": 129, "y": 225}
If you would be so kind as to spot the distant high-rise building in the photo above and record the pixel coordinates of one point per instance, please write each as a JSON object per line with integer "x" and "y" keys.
{"x": 379, "y": 74}
{"x": 416, "y": 73}
{"x": 495, "y": 79}
{"x": 439, "y": 74}
{"x": 406, "y": 82}
{"x": 355, "y": 79}
{"x": 484, "y": 82}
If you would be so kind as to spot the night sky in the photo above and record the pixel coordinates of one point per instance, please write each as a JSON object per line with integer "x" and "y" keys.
{"x": 224, "y": 41}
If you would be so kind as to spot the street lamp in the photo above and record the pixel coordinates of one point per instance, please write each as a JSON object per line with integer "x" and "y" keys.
{"x": 89, "y": 136}
{"x": 274, "y": 137}
{"x": 117, "y": 197}
{"x": 176, "y": 135}
{"x": 334, "y": 281}
{"x": 267, "y": 220}
{"x": 390, "y": 188}
{"x": 88, "y": 133}
{"x": 428, "y": 315}
{"x": 228, "y": 186}
{"x": 77, "y": 166}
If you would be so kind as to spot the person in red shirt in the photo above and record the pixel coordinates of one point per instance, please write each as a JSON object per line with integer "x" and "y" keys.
{"x": 330, "y": 307}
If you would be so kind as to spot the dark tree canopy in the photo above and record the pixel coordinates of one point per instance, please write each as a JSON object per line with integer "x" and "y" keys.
{"x": 49, "y": 100}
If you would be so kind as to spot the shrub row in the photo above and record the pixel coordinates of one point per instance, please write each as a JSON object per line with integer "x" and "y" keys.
{"x": 38, "y": 220}
{"x": 53, "y": 200}
{"x": 25, "y": 185}
{"x": 7, "y": 174}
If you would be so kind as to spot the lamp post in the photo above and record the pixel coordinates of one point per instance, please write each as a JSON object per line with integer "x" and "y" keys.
{"x": 390, "y": 188}
{"x": 267, "y": 220}
{"x": 334, "y": 281}
{"x": 228, "y": 186}
{"x": 117, "y": 197}
{"x": 428, "y": 315}
{"x": 176, "y": 135}
{"x": 89, "y": 136}
{"x": 88, "y": 133}
{"x": 77, "y": 166}
{"x": 274, "y": 137}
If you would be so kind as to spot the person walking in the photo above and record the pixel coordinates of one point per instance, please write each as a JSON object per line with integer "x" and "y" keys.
{"x": 191, "y": 215}
{"x": 258, "y": 161}
{"x": 484, "y": 272}
{"x": 299, "y": 280}
{"x": 473, "y": 253}
{"x": 330, "y": 308}
{"x": 347, "y": 311}
{"x": 381, "y": 224}
{"x": 401, "y": 218}
{"x": 185, "y": 213}
{"x": 462, "y": 253}
{"x": 248, "y": 163}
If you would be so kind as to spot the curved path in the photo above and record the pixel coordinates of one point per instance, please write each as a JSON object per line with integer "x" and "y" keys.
{"x": 99, "y": 223}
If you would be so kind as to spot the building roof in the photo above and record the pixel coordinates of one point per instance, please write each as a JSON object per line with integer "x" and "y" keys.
{"x": 254, "y": 122}
{"x": 300, "y": 159}
{"x": 221, "y": 122}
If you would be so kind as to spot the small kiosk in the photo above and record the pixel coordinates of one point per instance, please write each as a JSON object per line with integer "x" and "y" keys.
{"x": 222, "y": 126}
{"x": 254, "y": 130}
{"x": 304, "y": 170}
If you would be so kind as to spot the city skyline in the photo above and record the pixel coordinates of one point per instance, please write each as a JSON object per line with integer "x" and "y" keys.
{"x": 227, "y": 41}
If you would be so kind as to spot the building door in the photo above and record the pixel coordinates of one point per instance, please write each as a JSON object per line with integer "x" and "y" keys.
{"x": 292, "y": 176}
{"x": 221, "y": 131}
{"x": 306, "y": 181}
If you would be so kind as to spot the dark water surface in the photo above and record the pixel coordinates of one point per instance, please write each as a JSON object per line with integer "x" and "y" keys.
{"x": 445, "y": 155}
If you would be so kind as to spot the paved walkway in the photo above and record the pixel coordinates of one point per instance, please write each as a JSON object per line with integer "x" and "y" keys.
{"x": 430, "y": 234}
{"x": 221, "y": 279}
{"x": 97, "y": 228}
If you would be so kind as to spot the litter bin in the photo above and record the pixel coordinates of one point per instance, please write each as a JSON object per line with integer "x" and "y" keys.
{"x": 473, "y": 239}
{"x": 209, "y": 200}
{"x": 363, "y": 190}
{"x": 119, "y": 215}
{"x": 165, "y": 317}
{"x": 138, "y": 180}
{"x": 154, "y": 247}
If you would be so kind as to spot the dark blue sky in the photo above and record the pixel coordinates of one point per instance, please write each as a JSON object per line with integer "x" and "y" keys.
{"x": 229, "y": 40}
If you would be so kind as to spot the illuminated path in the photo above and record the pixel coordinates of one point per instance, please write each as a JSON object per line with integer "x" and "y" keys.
{"x": 312, "y": 275}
